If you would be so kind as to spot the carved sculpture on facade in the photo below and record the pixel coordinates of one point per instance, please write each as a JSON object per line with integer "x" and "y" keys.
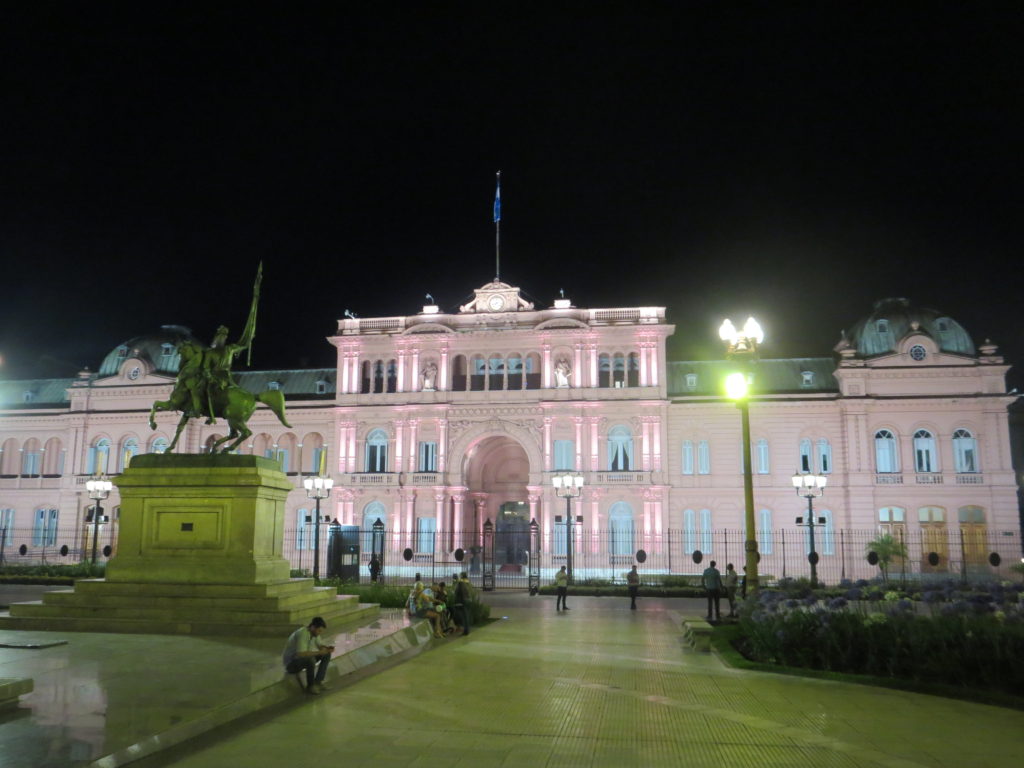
{"x": 429, "y": 375}
{"x": 562, "y": 373}
{"x": 205, "y": 387}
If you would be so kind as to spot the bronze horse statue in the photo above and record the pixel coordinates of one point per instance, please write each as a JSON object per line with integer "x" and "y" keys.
{"x": 196, "y": 398}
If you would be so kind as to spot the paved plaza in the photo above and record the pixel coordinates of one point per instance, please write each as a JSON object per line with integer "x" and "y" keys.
{"x": 605, "y": 686}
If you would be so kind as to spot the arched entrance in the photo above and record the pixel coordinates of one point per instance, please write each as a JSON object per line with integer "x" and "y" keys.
{"x": 496, "y": 471}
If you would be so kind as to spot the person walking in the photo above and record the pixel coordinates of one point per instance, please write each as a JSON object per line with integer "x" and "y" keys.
{"x": 711, "y": 580}
{"x": 633, "y": 585}
{"x": 561, "y": 588}
{"x": 732, "y": 580}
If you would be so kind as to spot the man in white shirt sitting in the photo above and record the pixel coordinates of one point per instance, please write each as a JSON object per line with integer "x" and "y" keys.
{"x": 304, "y": 651}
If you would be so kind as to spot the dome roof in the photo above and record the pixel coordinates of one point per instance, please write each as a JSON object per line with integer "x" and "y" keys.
{"x": 158, "y": 349}
{"x": 892, "y": 319}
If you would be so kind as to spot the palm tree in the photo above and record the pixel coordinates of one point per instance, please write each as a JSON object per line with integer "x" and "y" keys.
{"x": 886, "y": 548}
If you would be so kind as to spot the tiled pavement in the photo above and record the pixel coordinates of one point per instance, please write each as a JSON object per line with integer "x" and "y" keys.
{"x": 605, "y": 686}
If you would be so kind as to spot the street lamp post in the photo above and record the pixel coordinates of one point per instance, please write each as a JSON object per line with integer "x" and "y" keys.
{"x": 98, "y": 489}
{"x": 317, "y": 488}
{"x": 810, "y": 486}
{"x": 742, "y": 347}
{"x": 568, "y": 485}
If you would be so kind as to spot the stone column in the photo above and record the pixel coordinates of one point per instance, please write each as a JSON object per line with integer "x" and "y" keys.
{"x": 458, "y": 497}
{"x": 400, "y": 384}
{"x": 546, "y": 366}
{"x": 578, "y": 421}
{"x": 399, "y": 445}
{"x": 415, "y": 371}
{"x": 442, "y": 383}
{"x": 547, "y": 443}
{"x": 593, "y": 366}
{"x": 413, "y": 444}
{"x": 644, "y": 357}
{"x": 442, "y": 445}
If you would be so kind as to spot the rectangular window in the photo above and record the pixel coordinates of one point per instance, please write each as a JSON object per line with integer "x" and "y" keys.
{"x": 825, "y": 456}
{"x": 427, "y": 461}
{"x": 559, "y": 535}
{"x": 44, "y": 530}
{"x": 7, "y": 526}
{"x": 425, "y": 527}
{"x": 318, "y": 461}
{"x": 705, "y": 531}
{"x": 687, "y": 457}
{"x": 764, "y": 532}
{"x": 31, "y": 463}
{"x": 703, "y": 458}
{"x": 565, "y": 455}
{"x": 303, "y": 529}
{"x": 763, "y": 466}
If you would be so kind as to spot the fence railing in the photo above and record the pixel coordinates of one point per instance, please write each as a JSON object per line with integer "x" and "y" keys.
{"x": 970, "y": 553}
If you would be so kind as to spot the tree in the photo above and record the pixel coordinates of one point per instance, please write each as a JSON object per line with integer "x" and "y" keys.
{"x": 886, "y": 548}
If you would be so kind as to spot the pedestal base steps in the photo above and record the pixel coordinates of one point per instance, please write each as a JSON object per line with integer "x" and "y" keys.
{"x": 273, "y": 609}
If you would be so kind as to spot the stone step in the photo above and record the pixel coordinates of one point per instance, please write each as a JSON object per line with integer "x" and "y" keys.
{"x": 193, "y": 625}
{"x": 104, "y": 598}
{"x": 143, "y": 589}
{"x": 186, "y": 610}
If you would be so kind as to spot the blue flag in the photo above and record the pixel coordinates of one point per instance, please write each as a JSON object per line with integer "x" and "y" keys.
{"x": 497, "y": 200}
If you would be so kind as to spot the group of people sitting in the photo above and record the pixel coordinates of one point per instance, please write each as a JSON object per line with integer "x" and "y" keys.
{"x": 446, "y": 607}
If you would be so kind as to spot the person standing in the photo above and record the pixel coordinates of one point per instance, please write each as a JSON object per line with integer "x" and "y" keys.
{"x": 712, "y": 582}
{"x": 374, "y": 569}
{"x": 304, "y": 651}
{"x": 732, "y": 580}
{"x": 633, "y": 585}
{"x": 561, "y": 588}
{"x": 463, "y": 595}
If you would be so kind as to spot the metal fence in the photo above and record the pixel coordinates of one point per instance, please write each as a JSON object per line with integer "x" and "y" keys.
{"x": 509, "y": 558}
{"x": 521, "y": 559}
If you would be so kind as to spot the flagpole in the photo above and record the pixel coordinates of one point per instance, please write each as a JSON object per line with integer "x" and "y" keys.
{"x": 497, "y": 230}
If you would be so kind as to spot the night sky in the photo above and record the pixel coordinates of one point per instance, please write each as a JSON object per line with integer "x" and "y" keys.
{"x": 795, "y": 162}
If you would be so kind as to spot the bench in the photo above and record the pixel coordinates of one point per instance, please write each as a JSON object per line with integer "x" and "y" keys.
{"x": 697, "y": 634}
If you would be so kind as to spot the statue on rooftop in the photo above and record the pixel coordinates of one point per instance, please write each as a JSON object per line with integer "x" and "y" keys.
{"x": 206, "y": 388}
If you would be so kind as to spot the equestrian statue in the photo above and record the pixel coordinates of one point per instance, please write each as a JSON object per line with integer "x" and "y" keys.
{"x": 206, "y": 388}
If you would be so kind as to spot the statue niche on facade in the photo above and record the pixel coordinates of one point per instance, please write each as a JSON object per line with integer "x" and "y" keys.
{"x": 562, "y": 373}
{"x": 206, "y": 389}
{"x": 429, "y": 375}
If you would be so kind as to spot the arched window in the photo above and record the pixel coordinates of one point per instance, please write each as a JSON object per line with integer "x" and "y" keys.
{"x": 44, "y": 527}
{"x": 619, "y": 370}
{"x": 53, "y": 458}
{"x": 824, "y": 456}
{"x": 99, "y": 456}
{"x": 633, "y": 370}
{"x": 806, "y": 458}
{"x": 604, "y": 370}
{"x": 303, "y": 529}
{"x": 372, "y": 512}
{"x": 965, "y": 451}
{"x": 31, "y": 458}
{"x": 377, "y": 451}
{"x": 378, "y": 376}
{"x": 764, "y": 532}
{"x": 762, "y": 457}
{"x": 392, "y": 376}
{"x": 925, "y": 458}
{"x": 128, "y": 451}
{"x": 620, "y": 529}
{"x": 515, "y": 371}
{"x": 689, "y": 531}
{"x": 366, "y": 378}
{"x": 687, "y": 457}
{"x": 886, "y": 455}
{"x": 478, "y": 371}
{"x": 159, "y": 445}
{"x": 705, "y": 531}
{"x": 460, "y": 375}
{"x": 620, "y": 449}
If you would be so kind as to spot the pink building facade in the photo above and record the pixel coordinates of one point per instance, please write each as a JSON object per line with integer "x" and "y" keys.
{"x": 435, "y": 423}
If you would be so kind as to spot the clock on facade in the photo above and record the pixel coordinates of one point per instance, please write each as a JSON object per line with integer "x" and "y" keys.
{"x": 496, "y": 303}
{"x": 133, "y": 374}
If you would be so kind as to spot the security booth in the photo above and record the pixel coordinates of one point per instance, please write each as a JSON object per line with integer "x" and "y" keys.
{"x": 343, "y": 552}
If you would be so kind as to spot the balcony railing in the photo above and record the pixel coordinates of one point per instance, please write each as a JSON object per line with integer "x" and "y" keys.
{"x": 970, "y": 479}
{"x": 888, "y": 478}
{"x": 930, "y": 479}
{"x": 622, "y": 478}
{"x": 378, "y": 479}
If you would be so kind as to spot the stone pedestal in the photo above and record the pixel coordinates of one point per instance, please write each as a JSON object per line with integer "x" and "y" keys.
{"x": 198, "y": 552}
{"x": 201, "y": 519}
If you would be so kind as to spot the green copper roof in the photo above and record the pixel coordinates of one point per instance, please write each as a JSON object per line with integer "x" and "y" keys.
{"x": 295, "y": 382}
{"x": 157, "y": 348}
{"x": 797, "y": 374}
{"x": 34, "y": 393}
{"x": 892, "y": 319}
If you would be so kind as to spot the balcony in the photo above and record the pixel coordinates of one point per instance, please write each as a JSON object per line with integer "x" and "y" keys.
{"x": 374, "y": 479}
{"x": 621, "y": 478}
{"x": 424, "y": 478}
{"x": 970, "y": 479}
{"x": 930, "y": 479}
{"x": 888, "y": 478}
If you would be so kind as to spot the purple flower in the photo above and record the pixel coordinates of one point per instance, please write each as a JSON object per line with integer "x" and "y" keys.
{"x": 837, "y": 603}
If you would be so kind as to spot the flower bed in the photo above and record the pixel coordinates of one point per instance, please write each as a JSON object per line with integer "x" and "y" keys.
{"x": 953, "y": 635}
